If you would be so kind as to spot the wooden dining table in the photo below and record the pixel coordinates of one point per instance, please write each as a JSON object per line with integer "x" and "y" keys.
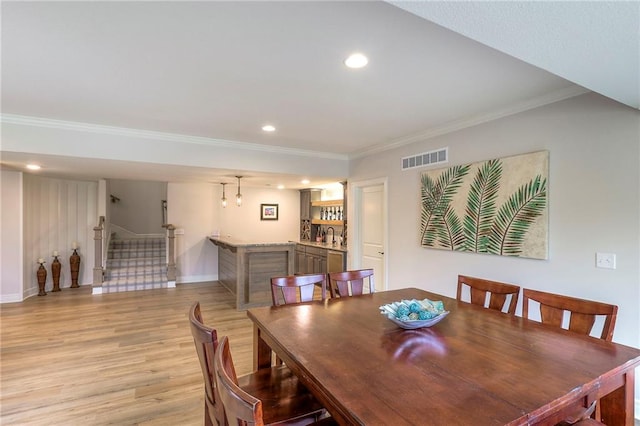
{"x": 476, "y": 366}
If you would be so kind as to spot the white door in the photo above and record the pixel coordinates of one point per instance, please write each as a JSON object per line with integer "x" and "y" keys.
{"x": 370, "y": 234}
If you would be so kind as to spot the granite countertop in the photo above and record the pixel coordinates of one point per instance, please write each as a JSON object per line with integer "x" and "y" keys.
{"x": 236, "y": 242}
{"x": 327, "y": 246}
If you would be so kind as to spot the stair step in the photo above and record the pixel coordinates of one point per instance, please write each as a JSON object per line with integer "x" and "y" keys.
{"x": 135, "y": 264}
{"x": 137, "y": 272}
{"x": 135, "y": 254}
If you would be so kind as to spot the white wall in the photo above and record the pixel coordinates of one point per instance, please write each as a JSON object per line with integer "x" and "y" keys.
{"x": 139, "y": 208}
{"x": 594, "y": 191}
{"x": 58, "y": 212}
{"x": 11, "y": 244}
{"x": 195, "y": 209}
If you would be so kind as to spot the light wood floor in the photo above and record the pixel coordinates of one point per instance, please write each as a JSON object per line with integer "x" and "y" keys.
{"x": 70, "y": 358}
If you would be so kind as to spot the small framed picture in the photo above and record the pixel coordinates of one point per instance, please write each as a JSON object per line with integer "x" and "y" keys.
{"x": 268, "y": 212}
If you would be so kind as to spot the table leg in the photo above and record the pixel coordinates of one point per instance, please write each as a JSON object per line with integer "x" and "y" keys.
{"x": 261, "y": 351}
{"x": 616, "y": 408}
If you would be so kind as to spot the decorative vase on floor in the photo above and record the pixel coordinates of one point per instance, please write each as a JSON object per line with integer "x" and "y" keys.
{"x": 74, "y": 264}
{"x": 55, "y": 271}
{"x": 42, "y": 278}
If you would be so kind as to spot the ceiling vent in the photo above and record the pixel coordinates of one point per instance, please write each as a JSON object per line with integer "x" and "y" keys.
{"x": 426, "y": 159}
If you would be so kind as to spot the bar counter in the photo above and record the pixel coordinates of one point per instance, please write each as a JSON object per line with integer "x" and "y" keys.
{"x": 245, "y": 268}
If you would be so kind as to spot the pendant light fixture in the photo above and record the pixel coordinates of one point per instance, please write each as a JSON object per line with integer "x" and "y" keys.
{"x": 239, "y": 195}
{"x": 224, "y": 197}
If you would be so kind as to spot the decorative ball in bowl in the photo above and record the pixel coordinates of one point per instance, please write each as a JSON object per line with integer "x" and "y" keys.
{"x": 411, "y": 314}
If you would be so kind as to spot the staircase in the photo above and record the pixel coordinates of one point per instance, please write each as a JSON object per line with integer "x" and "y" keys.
{"x": 136, "y": 264}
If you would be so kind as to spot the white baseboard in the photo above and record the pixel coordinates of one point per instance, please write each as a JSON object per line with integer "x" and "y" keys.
{"x": 171, "y": 284}
{"x": 637, "y": 410}
{"x": 11, "y": 298}
{"x": 96, "y": 290}
{"x": 196, "y": 279}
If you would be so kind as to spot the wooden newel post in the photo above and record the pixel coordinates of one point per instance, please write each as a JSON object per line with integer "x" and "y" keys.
{"x": 55, "y": 272}
{"x": 42, "y": 278}
{"x": 74, "y": 264}
{"x": 171, "y": 261}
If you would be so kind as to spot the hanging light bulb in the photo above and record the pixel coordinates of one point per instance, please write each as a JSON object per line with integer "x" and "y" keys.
{"x": 224, "y": 197}
{"x": 239, "y": 195}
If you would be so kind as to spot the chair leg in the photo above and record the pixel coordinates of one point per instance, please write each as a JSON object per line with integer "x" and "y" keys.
{"x": 207, "y": 418}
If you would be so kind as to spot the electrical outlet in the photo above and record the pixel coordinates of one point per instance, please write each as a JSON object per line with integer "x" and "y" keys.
{"x": 606, "y": 260}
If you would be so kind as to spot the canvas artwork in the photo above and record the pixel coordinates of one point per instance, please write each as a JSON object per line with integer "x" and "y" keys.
{"x": 498, "y": 206}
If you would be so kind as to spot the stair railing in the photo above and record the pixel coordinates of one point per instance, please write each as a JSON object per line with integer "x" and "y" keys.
{"x": 98, "y": 269}
{"x": 171, "y": 253}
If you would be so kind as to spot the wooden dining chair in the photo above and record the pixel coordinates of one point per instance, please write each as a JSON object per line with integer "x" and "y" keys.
{"x": 582, "y": 312}
{"x": 581, "y": 416}
{"x": 498, "y": 293}
{"x": 241, "y": 405}
{"x": 350, "y": 283}
{"x": 297, "y": 288}
{"x": 582, "y": 317}
{"x": 286, "y": 398}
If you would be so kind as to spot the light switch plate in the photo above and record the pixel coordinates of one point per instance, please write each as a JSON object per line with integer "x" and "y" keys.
{"x": 606, "y": 260}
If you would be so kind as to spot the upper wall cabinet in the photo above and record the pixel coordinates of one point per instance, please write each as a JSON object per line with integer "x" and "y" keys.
{"x": 307, "y": 196}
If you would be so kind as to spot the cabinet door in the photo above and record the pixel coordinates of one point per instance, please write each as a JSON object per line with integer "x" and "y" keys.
{"x": 305, "y": 204}
{"x": 309, "y": 264}
{"x": 301, "y": 262}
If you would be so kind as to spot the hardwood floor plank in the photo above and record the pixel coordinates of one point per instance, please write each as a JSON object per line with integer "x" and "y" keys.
{"x": 120, "y": 358}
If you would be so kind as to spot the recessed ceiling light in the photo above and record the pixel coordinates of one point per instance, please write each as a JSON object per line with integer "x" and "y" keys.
{"x": 268, "y": 128}
{"x": 356, "y": 60}
{"x": 33, "y": 167}
{"x": 305, "y": 181}
{"x": 280, "y": 186}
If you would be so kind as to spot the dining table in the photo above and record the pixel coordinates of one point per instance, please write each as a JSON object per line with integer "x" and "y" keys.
{"x": 476, "y": 366}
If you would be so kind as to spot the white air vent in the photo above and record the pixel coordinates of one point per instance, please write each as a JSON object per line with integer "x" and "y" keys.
{"x": 426, "y": 159}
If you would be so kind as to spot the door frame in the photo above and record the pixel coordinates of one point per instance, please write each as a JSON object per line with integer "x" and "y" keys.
{"x": 354, "y": 217}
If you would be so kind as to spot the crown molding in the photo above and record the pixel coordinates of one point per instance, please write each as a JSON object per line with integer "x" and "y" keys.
{"x": 452, "y": 126}
{"x": 50, "y": 123}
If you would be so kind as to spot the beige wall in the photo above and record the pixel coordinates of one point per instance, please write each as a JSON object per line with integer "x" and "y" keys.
{"x": 594, "y": 202}
{"x": 139, "y": 209}
{"x": 195, "y": 209}
{"x": 594, "y": 206}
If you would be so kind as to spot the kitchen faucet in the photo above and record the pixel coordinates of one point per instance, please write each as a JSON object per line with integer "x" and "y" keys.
{"x": 333, "y": 235}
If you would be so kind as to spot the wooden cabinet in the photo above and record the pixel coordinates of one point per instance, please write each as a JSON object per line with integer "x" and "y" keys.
{"x": 313, "y": 223}
{"x": 318, "y": 260}
{"x": 310, "y": 260}
{"x": 307, "y": 196}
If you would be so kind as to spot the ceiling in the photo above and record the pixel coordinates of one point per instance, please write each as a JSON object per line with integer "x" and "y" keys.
{"x": 220, "y": 70}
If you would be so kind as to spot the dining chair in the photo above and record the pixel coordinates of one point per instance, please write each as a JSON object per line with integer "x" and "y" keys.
{"x": 498, "y": 293}
{"x": 286, "y": 398}
{"x": 582, "y": 317}
{"x": 581, "y": 417}
{"x": 350, "y": 283}
{"x": 582, "y": 312}
{"x": 297, "y": 288}
{"x": 242, "y": 406}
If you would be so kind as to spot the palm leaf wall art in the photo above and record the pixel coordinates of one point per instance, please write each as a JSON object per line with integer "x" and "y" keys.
{"x": 497, "y": 206}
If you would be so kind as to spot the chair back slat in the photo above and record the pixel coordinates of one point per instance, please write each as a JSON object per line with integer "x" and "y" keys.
{"x": 240, "y": 408}
{"x": 206, "y": 343}
{"x": 582, "y": 312}
{"x": 350, "y": 283}
{"x": 297, "y": 288}
{"x": 498, "y": 292}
